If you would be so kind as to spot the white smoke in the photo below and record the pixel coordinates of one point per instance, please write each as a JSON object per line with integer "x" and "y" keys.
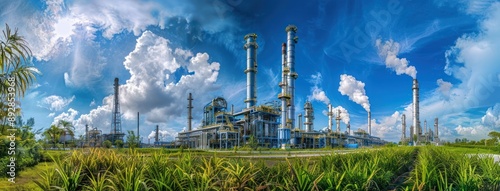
{"x": 355, "y": 90}
{"x": 389, "y": 50}
{"x": 344, "y": 114}
{"x": 162, "y": 134}
{"x": 316, "y": 92}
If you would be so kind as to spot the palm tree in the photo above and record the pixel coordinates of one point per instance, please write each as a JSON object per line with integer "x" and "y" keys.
{"x": 53, "y": 134}
{"x": 15, "y": 68}
{"x": 67, "y": 128}
{"x": 15, "y": 57}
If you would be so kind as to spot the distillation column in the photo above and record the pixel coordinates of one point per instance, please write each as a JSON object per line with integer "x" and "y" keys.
{"x": 338, "y": 120}
{"x": 292, "y": 76}
{"x": 190, "y": 108}
{"x": 251, "y": 71}
{"x": 309, "y": 116}
{"x": 348, "y": 128}
{"x": 299, "y": 124}
{"x": 436, "y": 132}
{"x": 370, "y": 123}
{"x": 416, "y": 122}
{"x": 403, "y": 126}
{"x": 330, "y": 117}
{"x": 283, "y": 96}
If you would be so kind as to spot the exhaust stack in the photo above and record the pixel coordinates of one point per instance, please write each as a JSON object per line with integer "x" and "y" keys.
{"x": 348, "y": 128}
{"x": 436, "y": 132}
{"x": 403, "y": 125}
{"x": 416, "y": 122}
{"x": 338, "y": 120}
{"x": 292, "y": 76}
{"x": 251, "y": 71}
{"x": 330, "y": 117}
{"x": 370, "y": 123}
{"x": 190, "y": 108}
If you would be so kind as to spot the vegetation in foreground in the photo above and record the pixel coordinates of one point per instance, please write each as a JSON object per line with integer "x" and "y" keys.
{"x": 102, "y": 169}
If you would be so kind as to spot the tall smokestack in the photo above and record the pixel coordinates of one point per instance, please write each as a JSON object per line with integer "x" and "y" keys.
{"x": 299, "y": 125}
{"x": 348, "y": 128}
{"x": 369, "y": 123}
{"x": 403, "y": 125}
{"x": 411, "y": 133}
{"x": 86, "y": 133}
{"x": 251, "y": 71}
{"x": 138, "y": 127}
{"x": 292, "y": 76}
{"x": 436, "y": 132}
{"x": 285, "y": 98}
{"x": 157, "y": 135}
{"x": 416, "y": 122}
{"x": 190, "y": 108}
{"x": 309, "y": 116}
{"x": 338, "y": 120}
{"x": 330, "y": 117}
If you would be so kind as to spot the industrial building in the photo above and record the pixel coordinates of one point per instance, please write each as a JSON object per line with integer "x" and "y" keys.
{"x": 416, "y": 136}
{"x": 272, "y": 124}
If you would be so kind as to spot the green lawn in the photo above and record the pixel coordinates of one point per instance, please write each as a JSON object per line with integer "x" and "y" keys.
{"x": 25, "y": 179}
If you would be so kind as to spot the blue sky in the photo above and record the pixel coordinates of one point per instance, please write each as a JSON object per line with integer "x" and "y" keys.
{"x": 163, "y": 50}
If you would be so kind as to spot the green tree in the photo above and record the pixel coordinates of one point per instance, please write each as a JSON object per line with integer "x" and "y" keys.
{"x": 132, "y": 140}
{"x": 119, "y": 144}
{"x": 53, "y": 134}
{"x": 67, "y": 129}
{"x": 107, "y": 144}
{"x": 15, "y": 59}
{"x": 494, "y": 135}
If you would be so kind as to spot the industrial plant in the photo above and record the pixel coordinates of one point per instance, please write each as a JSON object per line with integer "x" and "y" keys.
{"x": 272, "y": 124}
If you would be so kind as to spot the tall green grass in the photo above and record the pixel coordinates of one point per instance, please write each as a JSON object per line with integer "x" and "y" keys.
{"x": 433, "y": 168}
{"x": 439, "y": 169}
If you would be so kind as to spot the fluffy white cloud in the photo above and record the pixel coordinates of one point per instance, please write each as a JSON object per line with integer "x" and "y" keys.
{"x": 55, "y": 102}
{"x": 152, "y": 90}
{"x": 344, "y": 114}
{"x": 492, "y": 117}
{"x": 66, "y": 116}
{"x": 163, "y": 134}
{"x": 355, "y": 90}
{"x": 99, "y": 117}
{"x": 317, "y": 93}
{"x": 387, "y": 128}
{"x": 389, "y": 51}
{"x": 473, "y": 132}
{"x": 444, "y": 88}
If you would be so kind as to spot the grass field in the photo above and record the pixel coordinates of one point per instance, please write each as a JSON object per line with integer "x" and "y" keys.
{"x": 396, "y": 168}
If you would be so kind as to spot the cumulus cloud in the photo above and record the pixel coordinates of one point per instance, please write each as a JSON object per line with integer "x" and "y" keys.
{"x": 444, "y": 88}
{"x": 344, "y": 114}
{"x": 473, "y": 132}
{"x": 66, "y": 116}
{"x": 492, "y": 117}
{"x": 355, "y": 90}
{"x": 389, "y": 51}
{"x": 163, "y": 134}
{"x": 387, "y": 128}
{"x": 55, "y": 102}
{"x": 99, "y": 117}
{"x": 151, "y": 88}
{"x": 317, "y": 93}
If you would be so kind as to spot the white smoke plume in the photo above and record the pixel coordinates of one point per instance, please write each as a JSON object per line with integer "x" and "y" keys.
{"x": 355, "y": 90}
{"x": 344, "y": 114}
{"x": 162, "y": 134}
{"x": 389, "y": 50}
{"x": 316, "y": 92}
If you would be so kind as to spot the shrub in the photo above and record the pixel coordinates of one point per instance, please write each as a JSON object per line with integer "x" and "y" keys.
{"x": 107, "y": 144}
{"x": 119, "y": 143}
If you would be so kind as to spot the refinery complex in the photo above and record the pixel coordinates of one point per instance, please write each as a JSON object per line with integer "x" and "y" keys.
{"x": 273, "y": 124}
